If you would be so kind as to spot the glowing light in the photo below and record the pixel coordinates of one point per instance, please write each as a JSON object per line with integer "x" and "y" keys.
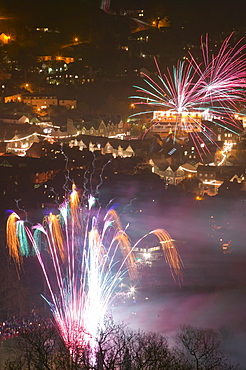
{"x": 198, "y": 197}
{"x": 192, "y": 93}
{"x": 147, "y": 255}
{"x": 188, "y": 170}
{"x": 12, "y": 238}
{"x": 41, "y": 135}
{"x": 90, "y": 255}
{"x": 227, "y": 148}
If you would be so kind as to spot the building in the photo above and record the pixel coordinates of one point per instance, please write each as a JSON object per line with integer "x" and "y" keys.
{"x": 12, "y": 98}
{"x": 48, "y": 58}
{"x": 15, "y": 118}
{"x": 68, "y": 103}
{"x": 20, "y": 143}
{"x": 214, "y": 176}
{"x": 40, "y": 102}
{"x": 108, "y": 126}
{"x": 180, "y": 124}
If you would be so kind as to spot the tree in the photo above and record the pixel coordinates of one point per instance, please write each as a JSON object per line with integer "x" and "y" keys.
{"x": 117, "y": 347}
{"x": 125, "y": 349}
{"x": 201, "y": 349}
{"x": 37, "y": 345}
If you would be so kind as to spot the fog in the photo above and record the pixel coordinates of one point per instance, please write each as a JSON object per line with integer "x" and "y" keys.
{"x": 225, "y": 309}
{"x": 213, "y": 292}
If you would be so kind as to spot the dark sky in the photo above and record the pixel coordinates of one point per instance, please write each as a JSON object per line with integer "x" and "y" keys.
{"x": 195, "y": 14}
{"x": 189, "y": 20}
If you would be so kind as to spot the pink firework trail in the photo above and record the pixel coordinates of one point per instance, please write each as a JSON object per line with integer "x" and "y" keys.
{"x": 87, "y": 258}
{"x": 211, "y": 90}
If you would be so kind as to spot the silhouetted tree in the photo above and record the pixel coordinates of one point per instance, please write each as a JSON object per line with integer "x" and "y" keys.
{"x": 118, "y": 347}
{"x": 201, "y": 349}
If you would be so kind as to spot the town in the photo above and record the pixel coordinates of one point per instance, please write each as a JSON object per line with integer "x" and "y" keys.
{"x": 122, "y": 183}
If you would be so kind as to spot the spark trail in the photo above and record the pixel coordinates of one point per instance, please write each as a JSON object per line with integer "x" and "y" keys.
{"x": 84, "y": 259}
{"x": 192, "y": 94}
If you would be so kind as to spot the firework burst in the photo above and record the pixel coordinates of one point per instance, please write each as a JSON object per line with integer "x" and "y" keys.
{"x": 192, "y": 94}
{"x": 83, "y": 261}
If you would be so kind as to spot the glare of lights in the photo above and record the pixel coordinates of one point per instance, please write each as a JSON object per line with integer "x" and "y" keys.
{"x": 211, "y": 90}
{"x": 82, "y": 277}
{"x": 91, "y": 201}
{"x": 198, "y": 197}
{"x": 147, "y": 255}
{"x": 188, "y": 170}
{"x": 226, "y": 149}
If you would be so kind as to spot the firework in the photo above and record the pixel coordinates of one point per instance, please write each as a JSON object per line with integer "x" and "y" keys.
{"x": 191, "y": 94}
{"x": 105, "y": 6}
{"x": 83, "y": 258}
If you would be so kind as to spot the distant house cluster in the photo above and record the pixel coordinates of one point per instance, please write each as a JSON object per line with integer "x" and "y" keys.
{"x": 173, "y": 159}
{"x": 102, "y": 145}
{"x": 40, "y": 102}
{"x": 19, "y": 132}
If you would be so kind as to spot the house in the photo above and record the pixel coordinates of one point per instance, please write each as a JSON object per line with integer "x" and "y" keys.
{"x": 20, "y": 143}
{"x": 68, "y": 103}
{"x": 12, "y": 98}
{"x": 15, "y": 118}
{"x": 39, "y": 101}
{"x": 214, "y": 176}
{"x": 108, "y": 126}
{"x": 104, "y": 145}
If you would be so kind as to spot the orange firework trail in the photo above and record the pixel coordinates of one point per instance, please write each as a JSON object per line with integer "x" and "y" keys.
{"x": 89, "y": 258}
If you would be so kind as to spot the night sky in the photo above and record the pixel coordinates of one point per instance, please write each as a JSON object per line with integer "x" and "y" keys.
{"x": 189, "y": 20}
{"x": 196, "y": 16}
